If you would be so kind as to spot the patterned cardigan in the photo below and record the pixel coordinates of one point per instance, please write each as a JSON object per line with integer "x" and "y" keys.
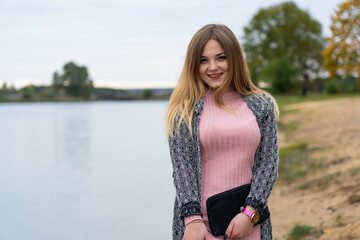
{"x": 186, "y": 159}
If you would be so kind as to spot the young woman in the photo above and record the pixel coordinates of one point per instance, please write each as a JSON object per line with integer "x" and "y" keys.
{"x": 222, "y": 134}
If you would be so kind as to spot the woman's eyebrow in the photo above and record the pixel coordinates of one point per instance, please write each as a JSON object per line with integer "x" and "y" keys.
{"x": 215, "y": 55}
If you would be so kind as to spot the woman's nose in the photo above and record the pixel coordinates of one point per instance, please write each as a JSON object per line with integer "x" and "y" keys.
{"x": 213, "y": 66}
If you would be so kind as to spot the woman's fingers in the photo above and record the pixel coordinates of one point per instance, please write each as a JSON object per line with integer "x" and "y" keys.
{"x": 229, "y": 230}
{"x": 207, "y": 237}
{"x": 239, "y": 226}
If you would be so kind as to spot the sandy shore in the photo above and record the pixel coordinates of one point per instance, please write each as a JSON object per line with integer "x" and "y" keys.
{"x": 327, "y": 194}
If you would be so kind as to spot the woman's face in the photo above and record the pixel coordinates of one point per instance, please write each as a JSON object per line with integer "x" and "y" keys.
{"x": 213, "y": 65}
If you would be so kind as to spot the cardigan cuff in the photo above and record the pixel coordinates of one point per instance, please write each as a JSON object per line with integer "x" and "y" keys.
{"x": 190, "y": 209}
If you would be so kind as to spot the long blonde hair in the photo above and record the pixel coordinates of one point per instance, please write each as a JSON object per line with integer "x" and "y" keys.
{"x": 190, "y": 87}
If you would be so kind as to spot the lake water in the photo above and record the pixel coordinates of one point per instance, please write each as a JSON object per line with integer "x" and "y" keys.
{"x": 87, "y": 170}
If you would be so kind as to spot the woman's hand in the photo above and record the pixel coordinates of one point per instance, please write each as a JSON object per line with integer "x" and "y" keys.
{"x": 196, "y": 231}
{"x": 239, "y": 226}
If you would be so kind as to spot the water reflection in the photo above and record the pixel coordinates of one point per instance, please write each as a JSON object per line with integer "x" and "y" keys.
{"x": 72, "y": 135}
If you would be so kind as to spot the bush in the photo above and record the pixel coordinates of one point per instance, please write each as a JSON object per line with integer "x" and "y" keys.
{"x": 341, "y": 85}
{"x": 281, "y": 74}
{"x": 331, "y": 88}
{"x": 347, "y": 85}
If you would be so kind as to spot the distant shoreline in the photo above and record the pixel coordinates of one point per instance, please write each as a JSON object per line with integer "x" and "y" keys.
{"x": 48, "y": 94}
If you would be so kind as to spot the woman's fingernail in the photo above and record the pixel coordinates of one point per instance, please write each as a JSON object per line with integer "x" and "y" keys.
{"x": 225, "y": 236}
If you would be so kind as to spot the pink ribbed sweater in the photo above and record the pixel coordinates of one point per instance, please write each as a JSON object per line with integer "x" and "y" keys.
{"x": 228, "y": 143}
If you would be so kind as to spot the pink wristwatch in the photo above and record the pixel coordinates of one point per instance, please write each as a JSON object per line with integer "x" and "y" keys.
{"x": 254, "y": 217}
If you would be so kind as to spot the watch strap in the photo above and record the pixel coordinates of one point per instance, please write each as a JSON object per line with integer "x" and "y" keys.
{"x": 249, "y": 213}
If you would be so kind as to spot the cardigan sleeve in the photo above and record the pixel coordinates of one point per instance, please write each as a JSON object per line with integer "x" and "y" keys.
{"x": 265, "y": 170}
{"x": 183, "y": 153}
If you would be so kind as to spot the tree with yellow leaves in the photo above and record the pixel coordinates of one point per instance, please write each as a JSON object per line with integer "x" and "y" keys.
{"x": 342, "y": 55}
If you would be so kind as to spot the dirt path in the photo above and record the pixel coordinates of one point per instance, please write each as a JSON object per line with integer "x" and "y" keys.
{"x": 328, "y": 195}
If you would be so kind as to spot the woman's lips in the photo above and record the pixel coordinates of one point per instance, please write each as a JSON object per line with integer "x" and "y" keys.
{"x": 215, "y": 76}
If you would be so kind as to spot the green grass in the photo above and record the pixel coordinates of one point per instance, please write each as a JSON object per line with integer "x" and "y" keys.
{"x": 300, "y": 232}
{"x": 289, "y": 150}
{"x": 303, "y": 186}
{"x": 295, "y": 162}
{"x": 315, "y": 164}
{"x": 338, "y": 220}
{"x": 354, "y": 171}
{"x": 292, "y": 161}
{"x": 284, "y": 100}
{"x": 321, "y": 182}
{"x": 288, "y": 128}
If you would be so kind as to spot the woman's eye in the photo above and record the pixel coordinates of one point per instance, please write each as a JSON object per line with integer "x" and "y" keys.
{"x": 202, "y": 60}
{"x": 222, "y": 58}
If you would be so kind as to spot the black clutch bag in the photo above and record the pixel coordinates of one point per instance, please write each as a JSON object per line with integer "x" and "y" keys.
{"x": 223, "y": 207}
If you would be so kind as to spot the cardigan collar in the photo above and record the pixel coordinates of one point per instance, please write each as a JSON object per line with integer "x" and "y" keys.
{"x": 199, "y": 105}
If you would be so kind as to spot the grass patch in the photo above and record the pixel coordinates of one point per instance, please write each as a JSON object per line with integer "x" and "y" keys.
{"x": 325, "y": 180}
{"x": 354, "y": 171}
{"x": 300, "y": 232}
{"x": 338, "y": 221}
{"x": 284, "y": 100}
{"x": 288, "y": 128}
{"x": 292, "y": 159}
{"x": 300, "y": 172}
{"x": 295, "y": 164}
{"x": 289, "y": 150}
{"x": 303, "y": 186}
{"x": 316, "y": 163}
{"x": 285, "y": 111}
{"x": 321, "y": 182}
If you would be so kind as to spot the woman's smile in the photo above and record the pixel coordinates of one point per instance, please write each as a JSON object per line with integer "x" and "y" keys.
{"x": 215, "y": 76}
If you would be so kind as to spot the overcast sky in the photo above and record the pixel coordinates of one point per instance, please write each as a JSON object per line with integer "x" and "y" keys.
{"x": 124, "y": 43}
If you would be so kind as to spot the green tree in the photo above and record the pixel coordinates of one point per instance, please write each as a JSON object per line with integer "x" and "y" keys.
{"x": 147, "y": 94}
{"x": 12, "y": 89}
{"x": 280, "y": 31}
{"x": 281, "y": 73}
{"x": 342, "y": 54}
{"x": 3, "y": 90}
{"x": 28, "y": 92}
{"x": 57, "y": 81}
{"x": 75, "y": 80}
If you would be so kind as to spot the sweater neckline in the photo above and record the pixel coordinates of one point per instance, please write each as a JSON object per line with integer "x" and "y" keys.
{"x": 224, "y": 95}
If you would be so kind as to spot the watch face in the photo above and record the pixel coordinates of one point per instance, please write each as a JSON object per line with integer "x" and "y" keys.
{"x": 256, "y": 218}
